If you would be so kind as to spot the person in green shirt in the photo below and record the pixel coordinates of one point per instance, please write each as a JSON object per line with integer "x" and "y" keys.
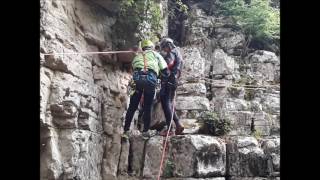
{"x": 147, "y": 66}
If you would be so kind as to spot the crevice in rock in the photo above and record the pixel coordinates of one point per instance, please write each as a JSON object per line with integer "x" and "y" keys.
{"x": 104, "y": 156}
{"x": 101, "y": 165}
{"x": 102, "y": 112}
{"x": 118, "y": 166}
{"x": 65, "y": 128}
{"x": 59, "y": 69}
{"x": 227, "y": 160}
{"x": 176, "y": 27}
{"x": 130, "y": 159}
{"x": 209, "y": 94}
{"x": 67, "y": 72}
{"x": 143, "y": 158}
{"x": 252, "y": 126}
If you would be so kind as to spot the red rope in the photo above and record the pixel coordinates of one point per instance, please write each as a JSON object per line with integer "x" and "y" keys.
{"x": 165, "y": 142}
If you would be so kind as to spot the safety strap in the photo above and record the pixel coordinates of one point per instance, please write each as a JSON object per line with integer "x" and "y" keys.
{"x": 144, "y": 63}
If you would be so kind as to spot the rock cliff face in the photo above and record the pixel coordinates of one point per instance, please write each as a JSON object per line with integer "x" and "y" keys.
{"x": 83, "y": 99}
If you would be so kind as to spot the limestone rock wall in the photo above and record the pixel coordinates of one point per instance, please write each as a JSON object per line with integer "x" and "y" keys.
{"x": 83, "y": 99}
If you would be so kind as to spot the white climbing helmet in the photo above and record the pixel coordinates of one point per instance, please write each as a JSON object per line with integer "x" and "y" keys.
{"x": 166, "y": 40}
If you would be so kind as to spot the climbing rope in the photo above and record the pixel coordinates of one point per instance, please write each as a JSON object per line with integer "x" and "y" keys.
{"x": 208, "y": 80}
{"x": 102, "y": 52}
{"x": 165, "y": 142}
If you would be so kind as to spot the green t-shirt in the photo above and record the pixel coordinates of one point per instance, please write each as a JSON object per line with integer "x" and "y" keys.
{"x": 154, "y": 61}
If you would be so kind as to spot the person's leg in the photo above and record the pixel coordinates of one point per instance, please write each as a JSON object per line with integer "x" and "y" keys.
{"x": 140, "y": 116}
{"x": 149, "y": 92}
{"x": 134, "y": 102}
{"x": 165, "y": 103}
{"x": 171, "y": 94}
{"x": 176, "y": 119}
{"x": 167, "y": 108}
{"x": 179, "y": 127}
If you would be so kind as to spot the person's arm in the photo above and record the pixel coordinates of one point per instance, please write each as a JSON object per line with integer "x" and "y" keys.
{"x": 176, "y": 70}
{"x": 163, "y": 68}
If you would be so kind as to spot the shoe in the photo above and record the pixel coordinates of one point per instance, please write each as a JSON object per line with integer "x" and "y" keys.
{"x": 179, "y": 130}
{"x": 164, "y": 133}
{"x": 125, "y": 135}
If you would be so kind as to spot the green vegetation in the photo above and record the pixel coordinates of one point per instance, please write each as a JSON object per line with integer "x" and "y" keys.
{"x": 249, "y": 94}
{"x": 245, "y": 80}
{"x": 176, "y": 6}
{"x": 168, "y": 169}
{"x": 258, "y": 20}
{"x": 257, "y": 134}
{"x": 144, "y": 16}
{"x": 214, "y": 125}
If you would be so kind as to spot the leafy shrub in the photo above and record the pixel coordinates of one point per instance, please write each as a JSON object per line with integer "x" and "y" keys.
{"x": 213, "y": 124}
{"x": 168, "y": 169}
{"x": 144, "y": 15}
{"x": 257, "y": 18}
